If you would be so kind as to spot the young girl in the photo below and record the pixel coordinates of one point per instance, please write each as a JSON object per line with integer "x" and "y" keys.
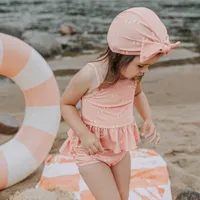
{"x": 101, "y": 136}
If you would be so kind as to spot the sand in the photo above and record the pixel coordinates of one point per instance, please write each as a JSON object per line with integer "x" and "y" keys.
{"x": 173, "y": 93}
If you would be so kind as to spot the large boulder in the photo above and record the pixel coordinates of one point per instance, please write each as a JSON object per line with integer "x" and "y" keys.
{"x": 45, "y": 43}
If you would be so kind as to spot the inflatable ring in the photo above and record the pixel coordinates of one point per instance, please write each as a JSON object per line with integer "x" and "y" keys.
{"x": 22, "y": 155}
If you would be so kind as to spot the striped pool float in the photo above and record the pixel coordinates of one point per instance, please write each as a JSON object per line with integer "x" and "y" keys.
{"x": 27, "y": 150}
{"x": 149, "y": 177}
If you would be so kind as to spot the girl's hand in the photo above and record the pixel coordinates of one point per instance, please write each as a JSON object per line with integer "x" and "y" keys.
{"x": 91, "y": 143}
{"x": 150, "y": 127}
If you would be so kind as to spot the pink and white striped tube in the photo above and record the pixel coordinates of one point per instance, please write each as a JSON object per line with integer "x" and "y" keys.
{"x": 22, "y": 155}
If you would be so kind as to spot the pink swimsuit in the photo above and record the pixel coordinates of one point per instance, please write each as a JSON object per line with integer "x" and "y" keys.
{"x": 108, "y": 113}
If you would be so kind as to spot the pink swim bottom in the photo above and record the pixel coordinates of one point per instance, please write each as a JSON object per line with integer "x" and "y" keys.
{"x": 108, "y": 157}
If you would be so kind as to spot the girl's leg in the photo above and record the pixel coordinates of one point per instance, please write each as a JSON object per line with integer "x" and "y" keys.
{"x": 121, "y": 172}
{"x": 100, "y": 181}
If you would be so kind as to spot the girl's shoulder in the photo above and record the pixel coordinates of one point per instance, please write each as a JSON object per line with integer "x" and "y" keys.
{"x": 95, "y": 71}
{"x": 86, "y": 77}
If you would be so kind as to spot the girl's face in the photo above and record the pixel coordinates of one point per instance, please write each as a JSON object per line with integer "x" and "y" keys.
{"x": 136, "y": 69}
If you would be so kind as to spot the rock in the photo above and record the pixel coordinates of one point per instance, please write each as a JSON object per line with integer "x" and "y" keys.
{"x": 68, "y": 44}
{"x": 79, "y": 43}
{"x": 63, "y": 40}
{"x": 45, "y": 43}
{"x": 188, "y": 195}
{"x": 68, "y": 29}
{"x": 8, "y": 125}
{"x": 73, "y": 47}
{"x": 11, "y": 29}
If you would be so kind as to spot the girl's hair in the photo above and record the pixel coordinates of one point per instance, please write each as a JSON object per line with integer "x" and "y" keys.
{"x": 116, "y": 62}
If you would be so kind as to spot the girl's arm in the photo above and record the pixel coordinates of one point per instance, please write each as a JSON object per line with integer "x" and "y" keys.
{"x": 141, "y": 103}
{"x": 77, "y": 87}
{"x": 142, "y": 106}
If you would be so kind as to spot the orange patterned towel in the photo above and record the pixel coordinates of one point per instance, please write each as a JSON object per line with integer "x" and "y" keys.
{"x": 149, "y": 177}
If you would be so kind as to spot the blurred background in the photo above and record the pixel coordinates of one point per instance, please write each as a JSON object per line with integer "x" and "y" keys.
{"x": 78, "y": 26}
{"x": 69, "y": 33}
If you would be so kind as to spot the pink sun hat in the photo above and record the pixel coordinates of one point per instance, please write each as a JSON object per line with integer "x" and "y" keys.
{"x": 139, "y": 31}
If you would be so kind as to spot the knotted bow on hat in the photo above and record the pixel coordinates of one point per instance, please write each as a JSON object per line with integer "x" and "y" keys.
{"x": 139, "y": 31}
